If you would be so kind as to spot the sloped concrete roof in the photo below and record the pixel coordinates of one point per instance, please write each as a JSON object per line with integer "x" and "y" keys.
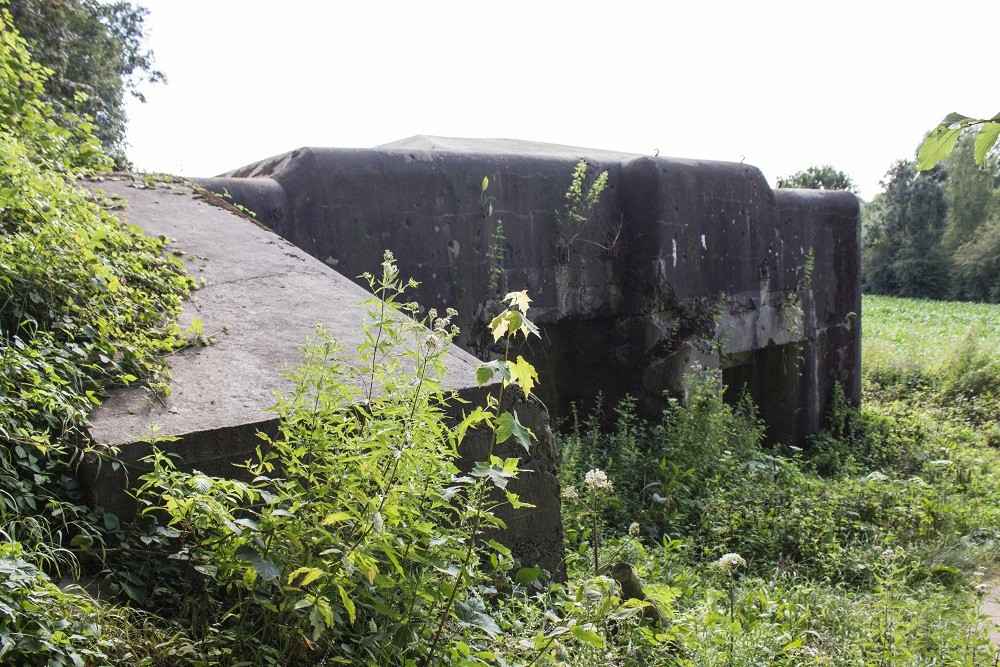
{"x": 260, "y": 299}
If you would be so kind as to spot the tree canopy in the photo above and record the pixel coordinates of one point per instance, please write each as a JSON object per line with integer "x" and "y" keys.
{"x": 819, "y": 178}
{"x": 901, "y": 240}
{"x": 96, "y": 56}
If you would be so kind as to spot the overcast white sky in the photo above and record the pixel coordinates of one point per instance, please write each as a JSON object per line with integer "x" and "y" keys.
{"x": 781, "y": 85}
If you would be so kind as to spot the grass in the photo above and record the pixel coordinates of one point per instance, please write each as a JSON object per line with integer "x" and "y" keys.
{"x": 920, "y": 334}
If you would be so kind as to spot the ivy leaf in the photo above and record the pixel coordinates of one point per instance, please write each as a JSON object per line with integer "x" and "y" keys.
{"x": 509, "y": 426}
{"x": 523, "y": 375}
{"x": 266, "y": 570}
{"x": 985, "y": 140}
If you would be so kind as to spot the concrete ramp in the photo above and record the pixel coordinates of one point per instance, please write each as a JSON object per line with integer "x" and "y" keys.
{"x": 261, "y": 297}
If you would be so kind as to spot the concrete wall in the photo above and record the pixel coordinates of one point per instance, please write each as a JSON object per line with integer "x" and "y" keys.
{"x": 683, "y": 261}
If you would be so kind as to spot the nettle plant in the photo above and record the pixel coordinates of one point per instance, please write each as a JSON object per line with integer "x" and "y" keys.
{"x": 358, "y": 539}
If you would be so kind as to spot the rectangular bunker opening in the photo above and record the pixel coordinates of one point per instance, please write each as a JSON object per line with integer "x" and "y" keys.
{"x": 772, "y": 377}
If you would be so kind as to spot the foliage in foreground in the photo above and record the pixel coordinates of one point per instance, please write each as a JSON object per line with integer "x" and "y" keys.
{"x": 94, "y": 51}
{"x": 86, "y": 304}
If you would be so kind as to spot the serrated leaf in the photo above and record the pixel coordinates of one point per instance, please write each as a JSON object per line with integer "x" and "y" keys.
{"x": 938, "y": 144}
{"x": 587, "y": 636}
{"x": 509, "y": 426}
{"x": 519, "y": 300}
{"x": 523, "y": 374}
{"x": 486, "y": 370}
{"x": 496, "y": 474}
{"x": 266, "y": 570}
{"x": 986, "y": 138}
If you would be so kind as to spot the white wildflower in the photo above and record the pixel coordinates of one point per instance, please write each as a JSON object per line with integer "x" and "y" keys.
{"x": 633, "y": 529}
{"x": 570, "y": 493}
{"x": 597, "y": 482}
{"x": 982, "y": 589}
{"x": 875, "y": 477}
{"x": 730, "y": 562}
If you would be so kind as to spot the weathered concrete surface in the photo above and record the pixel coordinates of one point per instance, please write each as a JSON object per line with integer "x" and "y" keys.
{"x": 681, "y": 262}
{"x": 261, "y": 298}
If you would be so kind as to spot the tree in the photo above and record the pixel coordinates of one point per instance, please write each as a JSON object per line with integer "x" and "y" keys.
{"x": 95, "y": 51}
{"x": 968, "y": 191}
{"x": 901, "y": 248}
{"x": 819, "y": 178}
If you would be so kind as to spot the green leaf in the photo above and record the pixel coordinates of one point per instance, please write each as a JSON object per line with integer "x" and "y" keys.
{"x": 936, "y": 147}
{"x": 336, "y": 517}
{"x": 486, "y": 370}
{"x": 474, "y": 614}
{"x": 348, "y": 604}
{"x": 509, "y": 426}
{"x": 311, "y": 574}
{"x": 486, "y": 183}
{"x": 985, "y": 140}
{"x": 496, "y": 474}
{"x": 526, "y": 575}
{"x": 955, "y": 117}
{"x": 266, "y": 570}
{"x": 587, "y": 636}
{"x": 519, "y": 300}
{"x": 523, "y": 374}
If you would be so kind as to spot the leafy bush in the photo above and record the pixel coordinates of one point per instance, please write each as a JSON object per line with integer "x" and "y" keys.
{"x": 357, "y": 540}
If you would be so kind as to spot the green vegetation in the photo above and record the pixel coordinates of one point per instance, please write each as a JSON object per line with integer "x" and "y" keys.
{"x": 940, "y": 142}
{"x": 95, "y": 56}
{"x": 819, "y": 178}
{"x": 690, "y": 540}
{"x": 936, "y": 233}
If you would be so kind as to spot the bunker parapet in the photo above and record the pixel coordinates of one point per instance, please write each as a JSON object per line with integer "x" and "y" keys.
{"x": 681, "y": 262}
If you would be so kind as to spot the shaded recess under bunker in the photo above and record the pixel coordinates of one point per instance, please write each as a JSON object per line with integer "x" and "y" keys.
{"x": 682, "y": 262}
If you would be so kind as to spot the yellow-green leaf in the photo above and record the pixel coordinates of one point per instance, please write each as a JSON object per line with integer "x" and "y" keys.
{"x": 523, "y": 374}
{"x": 985, "y": 140}
{"x": 519, "y": 300}
{"x": 336, "y": 517}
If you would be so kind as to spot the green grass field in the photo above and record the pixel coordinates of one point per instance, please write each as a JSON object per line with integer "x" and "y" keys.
{"x": 920, "y": 335}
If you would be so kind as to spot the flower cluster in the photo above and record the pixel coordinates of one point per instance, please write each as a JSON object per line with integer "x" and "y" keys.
{"x": 597, "y": 482}
{"x": 442, "y": 330}
{"x": 730, "y": 562}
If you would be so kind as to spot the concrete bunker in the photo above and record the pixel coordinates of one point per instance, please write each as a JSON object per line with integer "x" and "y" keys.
{"x": 260, "y": 299}
{"x": 680, "y": 262}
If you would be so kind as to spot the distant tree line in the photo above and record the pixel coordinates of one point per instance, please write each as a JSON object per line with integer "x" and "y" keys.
{"x": 931, "y": 234}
